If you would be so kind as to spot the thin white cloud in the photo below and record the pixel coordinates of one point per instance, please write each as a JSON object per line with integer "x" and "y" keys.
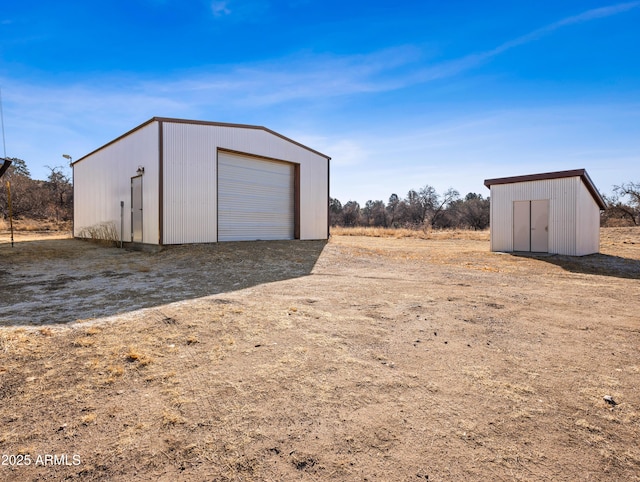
{"x": 457, "y": 66}
{"x": 220, "y": 8}
{"x": 240, "y": 10}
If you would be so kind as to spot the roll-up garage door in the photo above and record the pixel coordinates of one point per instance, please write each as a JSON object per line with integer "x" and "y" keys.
{"x": 255, "y": 198}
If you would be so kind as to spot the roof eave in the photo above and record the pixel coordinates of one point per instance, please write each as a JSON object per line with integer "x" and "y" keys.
{"x": 581, "y": 173}
{"x": 206, "y": 123}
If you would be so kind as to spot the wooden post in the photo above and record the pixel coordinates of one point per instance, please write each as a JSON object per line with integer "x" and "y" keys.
{"x": 10, "y": 210}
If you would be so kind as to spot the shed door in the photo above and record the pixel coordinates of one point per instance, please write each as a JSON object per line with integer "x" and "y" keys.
{"x": 521, "y": 225}
{"x": 136, "y": 209}
{"x": 540, "y": 226}
{"x": 531, "y": 226}
{"x": 255, "y": 198}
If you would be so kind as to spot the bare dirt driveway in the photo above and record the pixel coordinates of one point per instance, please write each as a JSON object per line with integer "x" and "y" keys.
{"x": 358, "y": 359}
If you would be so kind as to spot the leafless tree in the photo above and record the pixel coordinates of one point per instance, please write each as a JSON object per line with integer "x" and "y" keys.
{"x": 34, "y": 199}
{"x": 631, "y": 208}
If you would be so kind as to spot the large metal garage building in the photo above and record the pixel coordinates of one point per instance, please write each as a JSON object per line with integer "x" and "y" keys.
{"x": 175, "y": 181}
{"x": 554, "y": 212}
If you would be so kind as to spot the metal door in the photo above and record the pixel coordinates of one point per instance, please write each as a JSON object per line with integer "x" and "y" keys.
{"x": 540, "y": 226}
{"x": 255, "y": 198}
{"x": 522, "y": 226}
{"x": 136, "y": 209}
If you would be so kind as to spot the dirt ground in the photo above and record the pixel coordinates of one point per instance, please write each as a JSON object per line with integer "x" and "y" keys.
{"x": 360, "y": 359}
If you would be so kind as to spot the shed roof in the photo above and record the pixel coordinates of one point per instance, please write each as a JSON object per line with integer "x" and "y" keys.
{"x": 199, "y": 122}
{"x": 5, "y": 165}
{"x": 581, "y": 173}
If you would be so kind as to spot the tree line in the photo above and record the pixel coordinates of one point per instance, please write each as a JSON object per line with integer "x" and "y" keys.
{"x": 426, "y": 208}
{"x": 51, "y": 199}
{"x": 419, "y": 209}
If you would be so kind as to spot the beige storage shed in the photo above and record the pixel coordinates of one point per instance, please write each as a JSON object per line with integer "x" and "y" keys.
{"x": 176, "y": 181}
{"x": 554, "y": 212}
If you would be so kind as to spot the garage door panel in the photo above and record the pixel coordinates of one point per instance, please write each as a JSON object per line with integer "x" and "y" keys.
{"x": 255, "y": 198}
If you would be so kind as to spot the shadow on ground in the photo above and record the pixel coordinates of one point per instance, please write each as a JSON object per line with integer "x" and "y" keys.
{"x": 598, "y": 264}
{"x": 64, "y": 280}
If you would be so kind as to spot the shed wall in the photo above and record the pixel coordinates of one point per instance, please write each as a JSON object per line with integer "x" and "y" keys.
{"x": 588, "y": 223}
{"x": 103, "y": 179}
{"x": 563, "y": 198}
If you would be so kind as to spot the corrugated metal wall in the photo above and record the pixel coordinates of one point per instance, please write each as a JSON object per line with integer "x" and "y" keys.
{"x": 103, "y": 179}
{"x": 588, "y": 226}
{"x": 189, "y": 178}
{"x": 563, "y": 200}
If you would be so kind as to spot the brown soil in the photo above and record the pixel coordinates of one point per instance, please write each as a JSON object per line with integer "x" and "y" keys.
{"x": 360, "y": 359}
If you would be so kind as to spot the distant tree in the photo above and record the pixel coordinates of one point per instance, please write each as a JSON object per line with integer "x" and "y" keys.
{"x": 18, "y": 167}
{"x": 436, "y": 209}
{"x": 351, "y": 214}
{"x": 335, "y": 212}
{"x": 393, "y": 209}
{"x": 414, "y": 209}
{"x": 34, "y": 199}
{"x": 630, "y": 191}
{"x": 475, "y": 212}
{"x": 24, "y": 191}
{"x": 376, "y": 213}
{"x": 60, "y": 190}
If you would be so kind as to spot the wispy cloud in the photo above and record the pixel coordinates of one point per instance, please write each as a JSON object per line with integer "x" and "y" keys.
{"x": 583, "y": 17}
{"x": 457, "y": 66}
{"x": 305, "y": 76}
{"x": 240, "y": 10}
{"x": 313, "y": 76}
{"x": 220, "y": 8}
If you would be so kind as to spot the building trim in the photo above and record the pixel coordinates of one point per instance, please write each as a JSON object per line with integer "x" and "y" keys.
{"x": 328, "y": 199}
{"x": 204, "y": 123}
{"x": 296, "y": 201}
{"x": 160, "y": 183}
{"x": 581, "y": 173}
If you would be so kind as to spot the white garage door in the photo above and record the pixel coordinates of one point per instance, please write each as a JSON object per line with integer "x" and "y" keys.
{"x": 255, "y": 198}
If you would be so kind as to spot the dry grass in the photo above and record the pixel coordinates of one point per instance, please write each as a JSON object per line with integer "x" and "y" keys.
{"x": 36, "y": 225}
{"x": 398, "y": 233}
{"x": 103, "y": 233}
{"x": 390, "y": 359}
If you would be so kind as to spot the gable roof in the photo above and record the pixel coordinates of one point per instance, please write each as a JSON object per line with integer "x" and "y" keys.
{"x": 581, "y": 173}
{"x": 205, "y": 123}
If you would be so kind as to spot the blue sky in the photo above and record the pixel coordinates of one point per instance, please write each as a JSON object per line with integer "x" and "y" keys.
{"x": 399, "y": 93}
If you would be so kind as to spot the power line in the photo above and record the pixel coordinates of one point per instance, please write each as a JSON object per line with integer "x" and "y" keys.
{"x": 4, "y": 144}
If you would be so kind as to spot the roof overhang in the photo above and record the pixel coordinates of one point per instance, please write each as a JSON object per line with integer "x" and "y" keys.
{"x": 581, "y": 173}
{"x": 5, "y": 165}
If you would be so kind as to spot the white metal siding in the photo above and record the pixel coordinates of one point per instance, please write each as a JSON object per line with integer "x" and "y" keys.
{"x": 562, "y": 195}
{"x": 588, "y": 226}
{"x": 190, "y": 178}
{"x": 103, "y": 179}
{"x": 255, "y": 198}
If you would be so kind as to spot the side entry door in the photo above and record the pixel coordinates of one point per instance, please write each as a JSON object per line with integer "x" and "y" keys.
{"x": 136, "y": 209}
